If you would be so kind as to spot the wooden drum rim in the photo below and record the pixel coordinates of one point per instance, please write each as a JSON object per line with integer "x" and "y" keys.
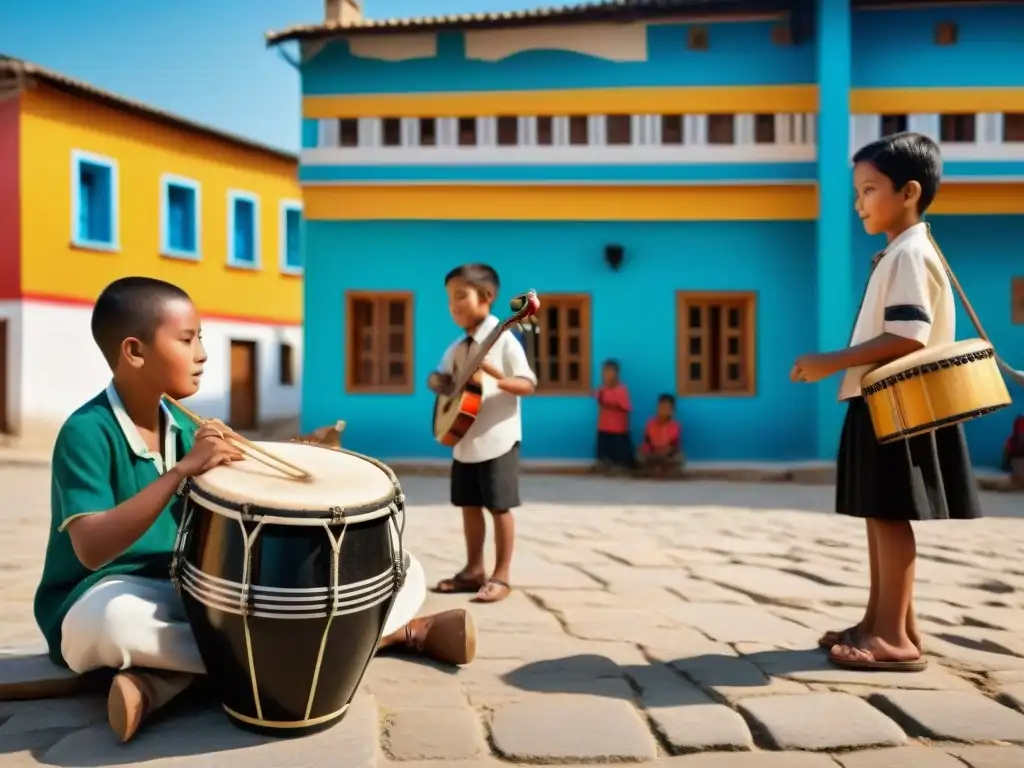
{"x": 925, "y": 368}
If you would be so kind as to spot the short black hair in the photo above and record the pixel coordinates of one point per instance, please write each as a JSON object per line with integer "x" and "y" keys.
{"x": 906, "y": 157}
{"x": 613, "y": 364}
{"x": 480, "y": 276}
{"x": 667, "y": 398}
{"x": 131, "y": 306}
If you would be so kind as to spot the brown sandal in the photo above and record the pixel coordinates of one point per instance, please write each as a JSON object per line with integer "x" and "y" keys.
{"x": 459, "y": 584}
{"x": 839, "y": 637}
{"x": 487, "y": 595}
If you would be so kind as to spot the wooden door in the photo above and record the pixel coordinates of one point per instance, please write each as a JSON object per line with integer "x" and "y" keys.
{"x": 243, "y": 406}
{"x": 4, "y": 424}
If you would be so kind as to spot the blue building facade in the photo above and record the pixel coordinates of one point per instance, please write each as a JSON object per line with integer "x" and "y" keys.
{"x": 707, "y": 143}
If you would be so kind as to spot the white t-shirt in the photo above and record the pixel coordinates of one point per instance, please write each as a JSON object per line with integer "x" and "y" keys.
{"x": 909, "y": 295}
{"x": 498, "y": 425}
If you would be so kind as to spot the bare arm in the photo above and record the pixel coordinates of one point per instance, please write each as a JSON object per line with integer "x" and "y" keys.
{"x": 100, "y": 537}
{"x": 877, "y": 351}
{"x": 517, "y": 386}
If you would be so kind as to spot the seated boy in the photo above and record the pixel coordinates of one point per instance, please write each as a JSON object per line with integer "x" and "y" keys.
{"x": 661, "y": 451}
{"x": 105, "y": 599}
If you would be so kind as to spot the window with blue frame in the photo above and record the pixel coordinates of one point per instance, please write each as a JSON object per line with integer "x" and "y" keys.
{"x": 291, "y": 247}
{"x": 94, "y": 201}
{"x": 180, "y": 214}
{"x": 244, "y": 247}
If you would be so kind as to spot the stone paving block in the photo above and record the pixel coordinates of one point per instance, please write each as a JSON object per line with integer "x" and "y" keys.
{"x": 952, "y": 715}
{"x": 203, "y": 738}
{"x": 41, "y": 714}
{"x": 900, "y": 757}
{"x": 776, "y": 586}
{"x": 613, "y": 623}
{"x": 814, "y": 667}
{"x": 567, "y": 728}
{"x": 392, "y": 696}
{"x": 616, "y": 574}
{"x": 688, "y": 720}
{"x": 997, "y": 618}
{"x": 741, "y": 623}
{"x": 752, "y": 760}
{"x": 822, "y": 721}
{"x": 698, "y": 591}
{"x": 1013, "y": 695}
{"x": 734, "y": 678}
{"x": 680, "y": 643}
{"x": 27, "y": 672}
{"x": 989, "y": 757}
{"x": 637, "y": 553}
{"x": 432, "y": 734}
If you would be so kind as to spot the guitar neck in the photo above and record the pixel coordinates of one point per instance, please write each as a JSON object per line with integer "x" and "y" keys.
{"x": 473, "y": 363}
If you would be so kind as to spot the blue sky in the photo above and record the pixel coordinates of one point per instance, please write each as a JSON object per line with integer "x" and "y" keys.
{"x": 202, "y": 59}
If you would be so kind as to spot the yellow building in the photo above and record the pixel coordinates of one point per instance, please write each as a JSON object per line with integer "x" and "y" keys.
{"x": 94, "y": 187}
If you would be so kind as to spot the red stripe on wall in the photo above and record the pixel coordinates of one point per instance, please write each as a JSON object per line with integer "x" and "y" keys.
{"x": 72, "y": 301}
{"x": 10, "y": 198}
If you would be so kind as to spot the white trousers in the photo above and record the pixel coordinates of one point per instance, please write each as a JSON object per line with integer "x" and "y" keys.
{"x": 129, "y": 621}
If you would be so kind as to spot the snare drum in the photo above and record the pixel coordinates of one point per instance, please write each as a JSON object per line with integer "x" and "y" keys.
{"x": 287, "y": 584}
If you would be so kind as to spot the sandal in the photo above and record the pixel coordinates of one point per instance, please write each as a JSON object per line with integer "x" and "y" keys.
{"x": 487, "y": 594}
{"x": 838, "y": 637}
{"x": 871, "y": 665}
{"x": 459, "y": 584}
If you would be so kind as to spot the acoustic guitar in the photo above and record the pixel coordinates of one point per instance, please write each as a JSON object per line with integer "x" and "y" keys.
{"x": 455, "y": 413}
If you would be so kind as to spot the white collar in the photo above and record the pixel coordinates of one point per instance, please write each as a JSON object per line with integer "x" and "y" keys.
{"x": 918, "y": 230}
{"x": 484, "y": 329}
{"x": 131, "y": 432}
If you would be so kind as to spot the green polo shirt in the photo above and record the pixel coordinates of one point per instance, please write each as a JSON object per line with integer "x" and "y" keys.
{"x": 99, "y": 461}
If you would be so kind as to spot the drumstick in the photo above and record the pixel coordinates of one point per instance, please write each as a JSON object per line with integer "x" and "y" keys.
{"x": 243, "y": 443}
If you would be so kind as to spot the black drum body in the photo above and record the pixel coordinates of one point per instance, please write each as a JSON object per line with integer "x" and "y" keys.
{"x": 287, "y": 613}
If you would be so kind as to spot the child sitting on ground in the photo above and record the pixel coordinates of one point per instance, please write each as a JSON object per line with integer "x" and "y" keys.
{"x": 661, "y": 451}
{"x": 614, "y": 447}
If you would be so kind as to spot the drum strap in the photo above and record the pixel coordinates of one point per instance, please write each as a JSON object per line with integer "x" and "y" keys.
{"x": 1017, "y": 376}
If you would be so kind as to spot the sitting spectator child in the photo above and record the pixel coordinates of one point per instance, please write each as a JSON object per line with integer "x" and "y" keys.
{"x": 614, "y": 447}
{"x": 661, "y": 451}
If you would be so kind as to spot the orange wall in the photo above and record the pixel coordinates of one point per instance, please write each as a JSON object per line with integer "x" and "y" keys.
{"x": 54, "y": 123}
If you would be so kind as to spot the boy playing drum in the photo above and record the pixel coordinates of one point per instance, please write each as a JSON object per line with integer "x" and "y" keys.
{"x": 105, "y": 599}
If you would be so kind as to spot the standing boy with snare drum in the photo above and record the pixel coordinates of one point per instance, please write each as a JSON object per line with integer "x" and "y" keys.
{"x": 485, "y": 463}
{"x": 908, "y": 305}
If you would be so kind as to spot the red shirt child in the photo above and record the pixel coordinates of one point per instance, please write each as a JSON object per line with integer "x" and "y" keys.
{"x": 613, "y": 406}
{"x": 663, "y": 435}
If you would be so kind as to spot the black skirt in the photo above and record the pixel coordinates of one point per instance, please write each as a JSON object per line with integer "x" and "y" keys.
{"x": 928, "y": 477}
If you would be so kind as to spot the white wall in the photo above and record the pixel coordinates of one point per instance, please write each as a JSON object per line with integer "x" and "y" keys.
{"x": 61, "y": 367}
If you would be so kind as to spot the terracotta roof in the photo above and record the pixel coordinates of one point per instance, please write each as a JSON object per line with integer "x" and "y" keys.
{"x": 16, "y": 73}
{"x": 600, "y": 10}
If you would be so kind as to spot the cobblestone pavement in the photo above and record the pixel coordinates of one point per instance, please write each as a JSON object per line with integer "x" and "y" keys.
{"x": 667, "y": 623}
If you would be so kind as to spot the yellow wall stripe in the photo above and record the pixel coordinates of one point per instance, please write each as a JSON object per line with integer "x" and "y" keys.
{"x": 683, "y": 100}
{"x": 561, "y": 203}
{"x": 904, "y": 101}
{"x": 470, "y": 202}
{"x": 591, "y": 101}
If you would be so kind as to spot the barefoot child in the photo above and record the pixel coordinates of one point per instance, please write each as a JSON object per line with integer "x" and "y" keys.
{"x": 105, "y": 599}
{"x": 485, "y": 463}
{"x": 614, "y": 447}
{"x": 907, "y": 305}
{"x": 661, "y": 451}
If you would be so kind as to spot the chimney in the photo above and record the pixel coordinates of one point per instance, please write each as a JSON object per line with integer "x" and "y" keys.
{"x": 343, "y": 11}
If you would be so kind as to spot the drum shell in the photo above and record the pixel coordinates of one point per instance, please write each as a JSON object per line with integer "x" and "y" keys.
{"x": 273, "y": 672}
{"x": 921, "y": 400}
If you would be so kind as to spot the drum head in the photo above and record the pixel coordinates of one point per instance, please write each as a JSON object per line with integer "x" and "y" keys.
{"x": 339, "y": 480}
{"x": 926, "y": 356}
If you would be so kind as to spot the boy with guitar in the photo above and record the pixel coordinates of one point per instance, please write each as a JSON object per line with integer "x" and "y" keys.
{"x": 485, "y": 461}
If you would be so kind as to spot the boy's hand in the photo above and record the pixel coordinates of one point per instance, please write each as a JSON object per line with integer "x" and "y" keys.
{"x": 811, "y": 368}
{"x": 213, "y": 428}
{"x": 440, "y": 383}
{"x": 209, "y": 452}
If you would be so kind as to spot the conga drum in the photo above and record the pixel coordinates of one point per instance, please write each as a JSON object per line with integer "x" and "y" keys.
{"x": 287, "y": 583}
